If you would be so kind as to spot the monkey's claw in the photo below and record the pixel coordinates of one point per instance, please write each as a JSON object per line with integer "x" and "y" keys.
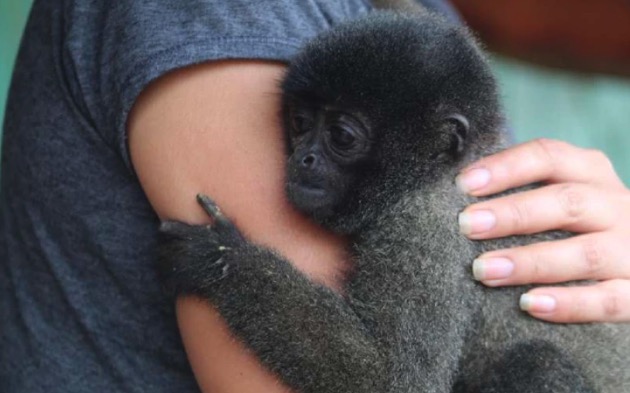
{"x": 221, "y": 223}
{"x": 210, "y": 207}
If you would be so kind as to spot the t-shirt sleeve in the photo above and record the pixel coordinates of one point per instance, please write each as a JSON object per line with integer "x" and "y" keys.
{"x": 111, "y": 50}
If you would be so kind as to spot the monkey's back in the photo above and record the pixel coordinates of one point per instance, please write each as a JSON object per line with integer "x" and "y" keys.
{"x": 414, "y": 279}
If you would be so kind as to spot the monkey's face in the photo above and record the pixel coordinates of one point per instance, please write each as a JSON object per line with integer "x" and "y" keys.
{"x": 328, "y": 150}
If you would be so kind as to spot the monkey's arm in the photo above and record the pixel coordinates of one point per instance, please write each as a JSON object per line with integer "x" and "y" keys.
{"x": 431, "y": 300}
{"x": 301, "y": 330}
{"x": 447, "y": 323}
{"x": 448, "y": 312}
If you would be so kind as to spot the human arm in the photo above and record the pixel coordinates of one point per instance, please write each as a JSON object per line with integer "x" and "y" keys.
{"x": 582, "y": 194}
{"x": 213, "y": 128}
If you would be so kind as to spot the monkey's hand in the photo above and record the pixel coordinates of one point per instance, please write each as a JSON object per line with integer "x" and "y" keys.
{"x": 191, "y": 257}
{"x": 301, "y": 330}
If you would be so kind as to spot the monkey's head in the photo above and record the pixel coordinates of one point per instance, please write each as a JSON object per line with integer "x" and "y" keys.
{"x": 380, "y": 106}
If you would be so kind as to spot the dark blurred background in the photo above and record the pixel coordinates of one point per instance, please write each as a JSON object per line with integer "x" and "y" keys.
{"x": 563, "y": 65}
{"x": 574, "y": 34}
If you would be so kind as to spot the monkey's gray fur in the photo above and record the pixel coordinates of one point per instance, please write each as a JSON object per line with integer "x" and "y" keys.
{"x": 412, "y": 319}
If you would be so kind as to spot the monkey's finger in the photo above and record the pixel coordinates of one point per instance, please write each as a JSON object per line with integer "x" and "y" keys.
{"x": 174, "y": 229}
{"x": 541, "y": 160}
{"x": 212, "y": 209}
{"x": 222, "y": 224}
{"x": 598, "y": 256}
{"x": 607, "y": 301}
{"x": 209, "y": 205}
{"x": 571, "y": 206}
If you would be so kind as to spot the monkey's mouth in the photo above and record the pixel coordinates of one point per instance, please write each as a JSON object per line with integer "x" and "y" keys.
{"x": 308, "y": 197}
{"x": 308, "y": 190}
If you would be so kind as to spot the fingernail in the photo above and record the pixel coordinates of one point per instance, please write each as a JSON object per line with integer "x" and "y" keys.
{"x": 476, "y": 221}
{"x": 472, "y": 180}
{"x": 492, "y": 268}
{"x": 537, "y": 303}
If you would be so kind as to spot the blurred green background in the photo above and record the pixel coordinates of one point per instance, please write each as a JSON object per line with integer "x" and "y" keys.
{"x": 13, "y": 15}
{"x": 585, "y": 109}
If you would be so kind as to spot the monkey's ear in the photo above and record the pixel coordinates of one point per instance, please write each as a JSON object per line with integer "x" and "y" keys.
{"x": 456, "y": 126}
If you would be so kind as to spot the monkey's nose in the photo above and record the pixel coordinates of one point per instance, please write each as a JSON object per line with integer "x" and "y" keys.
{"x": 309, "y": 160}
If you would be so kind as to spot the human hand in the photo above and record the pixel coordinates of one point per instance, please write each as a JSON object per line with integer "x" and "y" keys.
{"x": 582, "y": 194}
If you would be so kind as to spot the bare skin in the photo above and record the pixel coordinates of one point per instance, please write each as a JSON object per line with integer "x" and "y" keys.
{"x": 214, "y": 129}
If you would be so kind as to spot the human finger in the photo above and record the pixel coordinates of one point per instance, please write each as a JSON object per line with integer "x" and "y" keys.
{"x": 599, "y": 256}
{"x": 573, "y": 207}
{"x": 540, "y": 160}
{"x": 607, "y": 301}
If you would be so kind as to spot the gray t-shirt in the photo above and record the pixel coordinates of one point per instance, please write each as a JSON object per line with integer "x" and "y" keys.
{"x": 81, "y": 308}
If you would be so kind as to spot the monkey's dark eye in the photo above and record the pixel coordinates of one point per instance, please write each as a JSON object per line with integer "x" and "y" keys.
{"x": 300, "y": 123}
{"x": 341, "y": 137}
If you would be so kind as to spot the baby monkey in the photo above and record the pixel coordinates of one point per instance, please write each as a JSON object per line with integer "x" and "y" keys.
{"x": 380, "y": 115}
